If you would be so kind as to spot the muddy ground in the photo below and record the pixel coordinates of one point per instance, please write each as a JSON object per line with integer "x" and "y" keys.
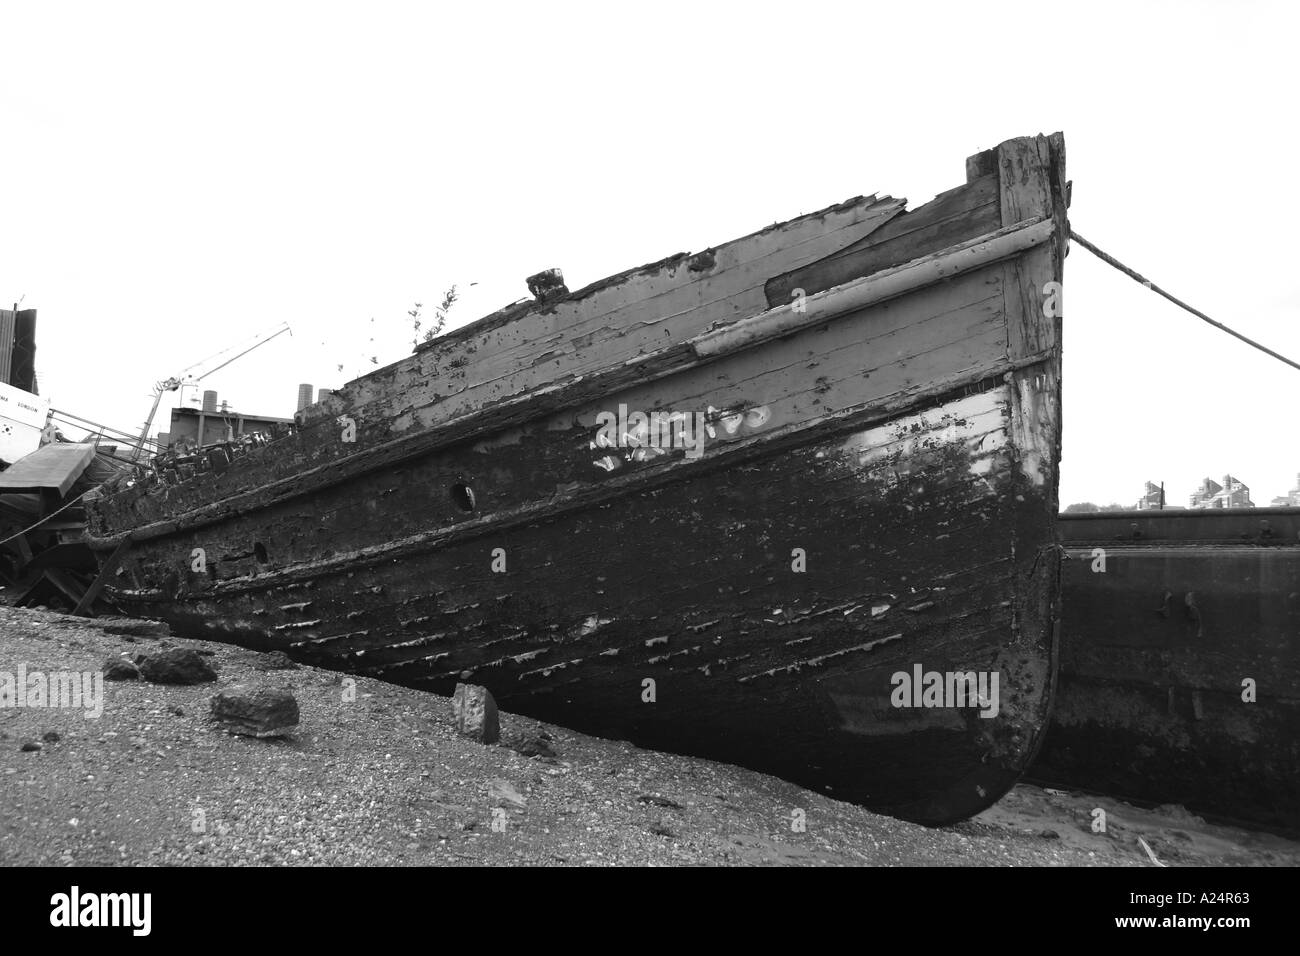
{"x": 376, "y": 775}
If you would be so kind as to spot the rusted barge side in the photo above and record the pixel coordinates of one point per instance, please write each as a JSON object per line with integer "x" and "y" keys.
{"x": 874, "y": 496}
{"x": 1180, "y": 662}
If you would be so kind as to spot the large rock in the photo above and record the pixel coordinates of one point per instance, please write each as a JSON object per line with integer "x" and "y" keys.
{"x": 256, "y": 711}
{"x": 475, "y": 714}
{"x": 176, "y": 666}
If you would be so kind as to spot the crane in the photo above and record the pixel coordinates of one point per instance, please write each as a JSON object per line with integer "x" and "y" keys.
{"x": 176, "y": 381}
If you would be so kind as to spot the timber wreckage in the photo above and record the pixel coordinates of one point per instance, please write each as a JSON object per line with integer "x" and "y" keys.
{"x": 789, "y": 502}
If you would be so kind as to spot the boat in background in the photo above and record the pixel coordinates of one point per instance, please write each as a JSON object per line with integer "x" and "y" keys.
{"x": 1180, "y": 666}
{"x": 789, "y": 502}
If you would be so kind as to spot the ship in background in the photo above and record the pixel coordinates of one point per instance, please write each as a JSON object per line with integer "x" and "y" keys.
{"x": 23, "y": 413}
{"x": 726, "y": 504}
{"x": 1180, "y": 661}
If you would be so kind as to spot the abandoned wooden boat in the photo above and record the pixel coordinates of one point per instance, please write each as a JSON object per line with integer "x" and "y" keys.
{"x": 789, "y": 502}
{"x": 1180, "y": 672}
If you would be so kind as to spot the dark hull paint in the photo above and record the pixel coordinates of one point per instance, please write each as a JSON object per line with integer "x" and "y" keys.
{"x": 691, "y": 585}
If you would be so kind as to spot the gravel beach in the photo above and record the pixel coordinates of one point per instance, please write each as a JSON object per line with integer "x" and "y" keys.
{"x": 375, "y": 774}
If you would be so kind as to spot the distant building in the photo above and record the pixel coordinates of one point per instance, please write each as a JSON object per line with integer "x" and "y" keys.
{"x": 1205, "y": 493}
{"x": 1153, "y": 499}
{"x": 1231, "y": 494}
{"x": 1291, "y": 499}
{"x": 199, "y": 427}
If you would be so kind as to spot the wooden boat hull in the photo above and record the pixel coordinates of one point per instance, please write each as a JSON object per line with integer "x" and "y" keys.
{"x": 1157, "y": 644}
{"x": 874, "y": 503}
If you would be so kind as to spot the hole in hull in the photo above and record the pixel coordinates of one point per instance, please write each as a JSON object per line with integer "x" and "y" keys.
{"x": 463, "y": 496}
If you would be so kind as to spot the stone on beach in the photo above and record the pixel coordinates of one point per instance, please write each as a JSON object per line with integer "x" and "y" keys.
{"x": 176, "y": 666}
{"x": 256, "y": 711}
{"x": 475, "y": 714}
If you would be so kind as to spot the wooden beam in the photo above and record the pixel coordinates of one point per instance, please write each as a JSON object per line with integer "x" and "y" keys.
{"x": 1027, "y": 170}
{"x": 64, "y": 582}
{"x": 83, "y": 608}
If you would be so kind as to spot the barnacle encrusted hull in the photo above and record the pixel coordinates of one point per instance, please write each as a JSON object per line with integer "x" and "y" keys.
{"x": 788, "y": 503}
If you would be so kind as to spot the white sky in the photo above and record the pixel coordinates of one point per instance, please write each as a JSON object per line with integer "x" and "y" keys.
{"x": 178, "y": 178}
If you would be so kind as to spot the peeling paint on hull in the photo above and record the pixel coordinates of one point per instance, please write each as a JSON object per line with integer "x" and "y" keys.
{"x": 876, "y": 492}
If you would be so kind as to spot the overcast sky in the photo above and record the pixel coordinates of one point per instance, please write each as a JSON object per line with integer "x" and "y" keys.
{"x": 177, "y": 178}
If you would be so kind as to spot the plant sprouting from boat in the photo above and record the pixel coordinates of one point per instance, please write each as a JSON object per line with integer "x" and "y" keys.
{"x": 439, "y": 317}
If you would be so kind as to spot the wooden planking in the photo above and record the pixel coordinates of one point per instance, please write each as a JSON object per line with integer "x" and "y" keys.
{"x": 950, "y": 218}
{"x": 681, "y": 313}
{"x": 941, "y": 331}
{"x": 618, "y": 323}
{"x": 531, "y": 325}
{"x": 609, "y": 295}
{"x": 847, "y": 452}
{"x": 305, "y": 463}
{"x": 512, "y": 503}
{"x": 957, "y": 310}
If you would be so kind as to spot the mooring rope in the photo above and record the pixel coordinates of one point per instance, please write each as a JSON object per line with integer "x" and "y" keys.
{"x": 1138, "y": 277}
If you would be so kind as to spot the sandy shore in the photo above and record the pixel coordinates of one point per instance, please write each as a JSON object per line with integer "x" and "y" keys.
{"x": 382, "y": 778}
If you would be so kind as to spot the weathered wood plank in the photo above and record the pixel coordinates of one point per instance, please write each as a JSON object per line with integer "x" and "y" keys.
{"x": 607, "y": 295}
{"x": 952, "y": 217}
{"x": 1025, "y": 191}
{"x": 584, "y": 333}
